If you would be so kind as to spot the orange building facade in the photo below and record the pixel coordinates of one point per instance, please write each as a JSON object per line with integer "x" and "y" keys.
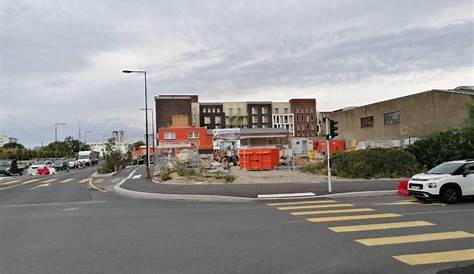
{"x": 178, "y": 138}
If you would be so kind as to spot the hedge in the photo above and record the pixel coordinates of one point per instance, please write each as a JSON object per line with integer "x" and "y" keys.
{"x": 453, "y": 144}
{"x": 374, "y": 163}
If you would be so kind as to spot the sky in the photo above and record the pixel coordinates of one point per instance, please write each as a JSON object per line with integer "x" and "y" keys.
{"x": 61, "y": 61}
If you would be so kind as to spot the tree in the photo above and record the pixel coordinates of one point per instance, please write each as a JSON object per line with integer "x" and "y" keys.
{"x": 471, "y": 114}
{"x": 14, "y": 145}
{"x": 137, "y": 144}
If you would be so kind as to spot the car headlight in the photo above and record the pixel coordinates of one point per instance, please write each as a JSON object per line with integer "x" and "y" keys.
{"x": 432, "y": 185}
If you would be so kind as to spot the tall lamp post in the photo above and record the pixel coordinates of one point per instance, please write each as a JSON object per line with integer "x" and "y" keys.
{"x": 146, "y": 121}
{"x": 152, "y": 126}
{"x": 56, "y": 137}
{"x": 56, "y": 130}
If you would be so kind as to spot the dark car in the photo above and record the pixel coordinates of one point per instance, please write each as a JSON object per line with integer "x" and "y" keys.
{"x": 10, "y": 167}
{"x": 61, "y": 164}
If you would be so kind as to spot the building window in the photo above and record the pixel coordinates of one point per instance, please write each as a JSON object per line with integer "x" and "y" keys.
{"x": 264, "y": 110}
{"x": 170, "y": 135}
{"x": 204, "y": 110}
{"x": 207, "y": 120}
{"x": 254, "y": 110}
{"x": 231, "y": 111}
{"x": 193, "y": 134}
{"x": 367, "y": 122}
{"x": 276, "y": 111}
{"x": 254, "y": 119}
{"x": 285, "y": 110}
{"x": 217, "y": 120}
{"x": 238, "y": 111}
{"x": 307, "y": 118}
{"x": 264, "y": 119}
{"x": 391, "y": 118}
{"x": 311, "y": 110}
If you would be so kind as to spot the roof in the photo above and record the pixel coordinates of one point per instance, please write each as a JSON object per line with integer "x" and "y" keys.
{"x": 258, "y": 131}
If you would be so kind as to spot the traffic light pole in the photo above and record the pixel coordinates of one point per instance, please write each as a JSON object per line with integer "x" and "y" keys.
{"x": 328, "y": 155}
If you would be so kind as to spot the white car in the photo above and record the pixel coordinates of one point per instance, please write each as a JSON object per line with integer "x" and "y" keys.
{"x": 449, "y": 181}
{"x": 33, "y": 169}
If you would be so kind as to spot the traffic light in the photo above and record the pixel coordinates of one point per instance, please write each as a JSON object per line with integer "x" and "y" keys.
{"x": 332, "y": 130}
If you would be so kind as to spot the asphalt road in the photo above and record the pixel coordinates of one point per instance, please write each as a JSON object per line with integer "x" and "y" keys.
{"x": 66, "y": 228}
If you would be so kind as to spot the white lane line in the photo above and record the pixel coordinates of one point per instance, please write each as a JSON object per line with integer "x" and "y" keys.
{"x": 24, "y": 183}
{"x": 286, "y": 195}
{"x": 49, "y": 180}
{"x": 67, "y": 180}
{"x": 9, "y": 182}
{"x": 137, "y": 176}
{"x": 40, "y": 185}
{"x": 56, "y": 204}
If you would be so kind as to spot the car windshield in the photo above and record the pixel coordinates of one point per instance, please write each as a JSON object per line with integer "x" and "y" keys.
{"x": 5, "y": 163}
{"x": 445, "y": 168}
{"x": 58, "y": 163}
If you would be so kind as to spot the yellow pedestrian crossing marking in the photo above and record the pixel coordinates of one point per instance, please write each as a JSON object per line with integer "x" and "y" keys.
{"x": 40, "y": 185}
{"x": 67, "y": 180}
{"x": 302, "y": 203}
{"x": 352, "y": 217}
{"x": 84, "y": 180}
{"x": 413, "y": 202}
{"x": 381, "y": 226}
{"x": 415, "y": 238}
{"x": 98, "y": 181}
{"x": 49, "y": 180}
{"x": 313, "y": 206}
{"x": 300, "y": 213}
{"x": 9, "y": 182}
{"x": 437, "y": 257}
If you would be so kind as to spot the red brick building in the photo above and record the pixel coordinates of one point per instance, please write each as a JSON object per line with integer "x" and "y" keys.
{"x": 306, "y": 122}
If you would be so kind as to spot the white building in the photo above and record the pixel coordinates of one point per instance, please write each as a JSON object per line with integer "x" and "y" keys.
{"x": 282, "y": 117}
{"x": 4, "y": 139}
{"x": 101, "y": 147}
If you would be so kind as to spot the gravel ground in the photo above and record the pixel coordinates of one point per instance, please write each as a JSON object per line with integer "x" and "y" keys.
{"x": 275, "y": 176}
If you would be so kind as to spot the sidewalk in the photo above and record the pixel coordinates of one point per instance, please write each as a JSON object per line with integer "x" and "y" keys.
{"x": 252, "y": 190}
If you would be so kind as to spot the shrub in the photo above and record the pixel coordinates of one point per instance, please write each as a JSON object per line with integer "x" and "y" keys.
{"x": 315, "y": 168}
{"x": 374, "y": 163}
{"x": 106, "y": 167}
{"x": 185, "y": 172}
{"x": 229, "y": 178}
{"x": 453, "y": 144}
{"x": 165, "y": 175}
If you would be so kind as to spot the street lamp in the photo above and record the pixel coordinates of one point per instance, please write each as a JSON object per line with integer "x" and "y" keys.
{"x": 146, "y": 121}
{"x": 56, "y": 130}
{"x": 152, "y": 125}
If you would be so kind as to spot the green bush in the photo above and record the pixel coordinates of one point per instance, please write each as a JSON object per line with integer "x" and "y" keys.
{"x": 453, "y": 144}
{"x": 374, "y": 163}
{"x": 315, "y": 168}
{"x": 106, "y": 167}
{"x": 165, "y": 175}
{"x": 229, "y": 178}
{"x": 185, "y": 172}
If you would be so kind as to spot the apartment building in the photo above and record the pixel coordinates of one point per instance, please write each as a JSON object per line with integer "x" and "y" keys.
{"x": 235, "y": 114}
{"x": 305, "y": 117}
{"x": 211, "y": 115}
{"x": 169, "y": 106}
{"x": 259, "y": 114}
{"x": 282, "y": 117}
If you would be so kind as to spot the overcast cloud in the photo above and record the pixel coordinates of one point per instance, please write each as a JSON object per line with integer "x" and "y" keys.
{"x": 61, "y": 61}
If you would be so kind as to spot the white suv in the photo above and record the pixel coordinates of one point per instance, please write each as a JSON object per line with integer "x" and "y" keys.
{"x": 448, "y": 181}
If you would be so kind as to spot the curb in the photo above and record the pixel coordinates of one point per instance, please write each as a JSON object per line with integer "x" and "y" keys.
{"x": 97, "y": 175}
{"x": 176, "y": 197}
{"x": 361, "y": 194}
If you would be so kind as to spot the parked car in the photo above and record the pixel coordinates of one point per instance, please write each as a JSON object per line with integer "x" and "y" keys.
{"x": 10, "y": 167}
{"x": 33, "y": 169}
{"x": 449, "y": 181}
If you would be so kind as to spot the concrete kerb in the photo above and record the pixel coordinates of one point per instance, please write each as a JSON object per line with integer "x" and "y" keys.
{"x": 183, "y": 197}
{"x": 95, "y": 174}
{"x": 230, "y": 199}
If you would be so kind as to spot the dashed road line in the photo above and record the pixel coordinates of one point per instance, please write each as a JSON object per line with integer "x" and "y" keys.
{"x": 84, "y": 180}
{"x": 49, "y": 180}
{"x": 352, "y": 217}
{"x": 9, "y": 182}
{"x": 333, "y": 211}
{"x": 314, "y": 206}
{"x": 437, "y": 257}
{"x": 67, "y": 180}
{"x": 380, "y": 226}
{"x": 415, "y": 238}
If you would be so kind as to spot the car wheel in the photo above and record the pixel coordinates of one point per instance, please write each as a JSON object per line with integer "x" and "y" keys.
{"x": 450, "y": 195}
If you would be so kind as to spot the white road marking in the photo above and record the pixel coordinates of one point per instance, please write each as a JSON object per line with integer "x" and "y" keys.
{"x": 24, "y": 183}
{"x": 137, "y": 176}
{"x": 49, "y": 180}
{"x": 71, "y": 209}
{"x": 9, "y": 182}
{"x": 67, "y": 180}
{"x": 285, "y": 195}
{"x": 55, "y": 204}
{"x": 84, "y": 180}
{"x": 40, "y": 185}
